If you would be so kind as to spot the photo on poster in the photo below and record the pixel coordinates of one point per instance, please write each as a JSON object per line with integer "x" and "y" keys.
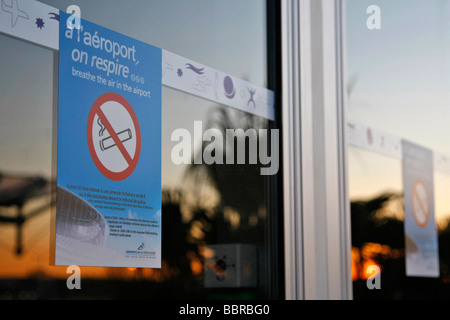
{"x": 109, "y": 149}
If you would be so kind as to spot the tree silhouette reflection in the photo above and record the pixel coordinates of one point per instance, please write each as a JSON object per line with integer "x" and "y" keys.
{"x": 215, "y": 204}
{"x": 378, "y": 238}
{"x": 238, "y": 215}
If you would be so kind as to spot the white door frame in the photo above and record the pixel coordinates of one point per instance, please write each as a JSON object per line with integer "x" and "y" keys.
{"x": 316, "y": 204}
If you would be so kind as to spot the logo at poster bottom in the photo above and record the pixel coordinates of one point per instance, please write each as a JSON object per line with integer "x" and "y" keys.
{"x": 114, "y": 136}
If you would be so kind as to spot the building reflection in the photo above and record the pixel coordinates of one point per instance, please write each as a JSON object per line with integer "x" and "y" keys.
{"x": 213, "y": 205}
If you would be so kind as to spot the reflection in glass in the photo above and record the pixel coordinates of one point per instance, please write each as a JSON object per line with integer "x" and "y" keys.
{"x": 397, "y": 83}
{"x": 201, "y": 205}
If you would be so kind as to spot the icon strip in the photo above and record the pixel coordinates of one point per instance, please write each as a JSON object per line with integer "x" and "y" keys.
{"x": 39, "y": 23}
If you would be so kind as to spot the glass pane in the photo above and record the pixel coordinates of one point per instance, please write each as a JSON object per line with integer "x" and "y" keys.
{"x": 203, "y": 205}
{"x": 397, "y": 90}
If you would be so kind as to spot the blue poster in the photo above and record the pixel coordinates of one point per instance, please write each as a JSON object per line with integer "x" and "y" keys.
{"x": 421, "y": 238}
{"x": 109, "y": 149}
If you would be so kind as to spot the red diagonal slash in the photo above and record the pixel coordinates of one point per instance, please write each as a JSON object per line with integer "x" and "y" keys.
{"x": 425, "y": 207}
{"x": 114, "y": 136}
{"x": 419, "y": 201}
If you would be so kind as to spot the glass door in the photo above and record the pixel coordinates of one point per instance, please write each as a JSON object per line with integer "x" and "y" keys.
{"x": 219, "y": 221}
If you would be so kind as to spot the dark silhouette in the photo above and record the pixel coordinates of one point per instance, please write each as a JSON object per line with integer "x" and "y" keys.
{"x": 370, "y": 226}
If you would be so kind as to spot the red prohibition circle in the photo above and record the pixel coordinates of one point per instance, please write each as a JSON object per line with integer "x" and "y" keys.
{"x": 96, "y": 110}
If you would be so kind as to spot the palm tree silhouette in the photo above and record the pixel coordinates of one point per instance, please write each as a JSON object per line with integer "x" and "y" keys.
{"x": 241, "y": 186}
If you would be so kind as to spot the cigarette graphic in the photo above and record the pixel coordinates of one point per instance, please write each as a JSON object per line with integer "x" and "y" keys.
{"x": 108, "y": 142}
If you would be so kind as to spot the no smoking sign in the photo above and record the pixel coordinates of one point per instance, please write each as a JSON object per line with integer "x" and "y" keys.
{"x": 109, "y": 149}
{"x": 114, "y": 136}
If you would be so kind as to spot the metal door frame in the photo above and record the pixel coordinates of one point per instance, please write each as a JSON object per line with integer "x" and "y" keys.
{"x": 316, "y": 204}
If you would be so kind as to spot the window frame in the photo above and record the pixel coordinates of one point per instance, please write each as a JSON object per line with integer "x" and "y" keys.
{"x": 316, "y": 204}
